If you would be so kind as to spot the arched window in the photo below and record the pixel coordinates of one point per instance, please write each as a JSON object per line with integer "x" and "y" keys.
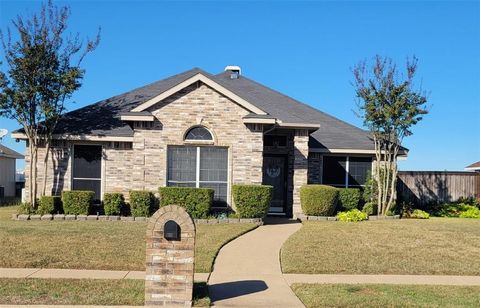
{"x": 199, "y": 133}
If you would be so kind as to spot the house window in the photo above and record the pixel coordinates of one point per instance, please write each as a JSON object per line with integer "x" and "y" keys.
{"x": 87, "y": 169}
{"x": 199, "y": 133}
{"x": 346, "y": 171}
{"x": 194, "y": 166}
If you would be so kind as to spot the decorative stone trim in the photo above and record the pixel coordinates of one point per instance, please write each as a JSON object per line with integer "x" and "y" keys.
{"x": 302, "y": 217}
{"x": 62, "y": 217}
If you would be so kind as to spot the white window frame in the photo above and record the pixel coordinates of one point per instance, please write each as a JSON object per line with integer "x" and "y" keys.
{"x": 197, "y": 171}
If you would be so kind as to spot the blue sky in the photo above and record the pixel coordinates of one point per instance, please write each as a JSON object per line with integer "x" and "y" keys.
{"x": 303, "y": 49}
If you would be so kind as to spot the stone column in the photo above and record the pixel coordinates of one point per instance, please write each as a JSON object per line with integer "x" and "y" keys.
{"x": 300, "y": 167}
{"x": 170, "y": 258}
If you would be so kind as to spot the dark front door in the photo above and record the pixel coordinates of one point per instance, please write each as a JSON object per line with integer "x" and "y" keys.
{"x": 274, "y": 174}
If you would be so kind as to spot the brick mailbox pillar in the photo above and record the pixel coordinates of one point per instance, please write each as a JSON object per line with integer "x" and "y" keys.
{"x": 170, "y": 258}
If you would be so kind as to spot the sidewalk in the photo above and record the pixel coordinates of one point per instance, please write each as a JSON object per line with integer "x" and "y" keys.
{"x": 385, "y": 279}
{"x": 79, "y": 274}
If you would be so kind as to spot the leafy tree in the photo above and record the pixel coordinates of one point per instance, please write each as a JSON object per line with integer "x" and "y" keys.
{"x": 390, "y": 106}
{"x": 43, "y": 71}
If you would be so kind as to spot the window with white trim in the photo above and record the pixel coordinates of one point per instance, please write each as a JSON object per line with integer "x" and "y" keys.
{"x": 87, "y": 169}
{"x": 199, "y": 166}
{"x": 346, "y": 171}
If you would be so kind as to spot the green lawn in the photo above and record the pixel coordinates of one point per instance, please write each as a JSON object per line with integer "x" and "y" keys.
{"x": 380, "y": 295}
{"x": 82, "y": 292}
{"x": 448, "y": 246}
{"x": 108, "y": 245}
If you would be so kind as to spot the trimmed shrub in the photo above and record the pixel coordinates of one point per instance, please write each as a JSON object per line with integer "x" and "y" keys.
{"x": 370, "y": 208}
{"x": 472, "y": 212}
{"x": 141, "y": 203}
{"x": 349, "y": 198}
{"x": 113, "y": 203}
{"x": 49, "y": 205}
{"x": 453, "y": 209}
{"x": 252, "y": 201}
{"x": 419, "y": 214}
{"x": 318, "y": 200}
{"x": 25, "y": 208}
{"x": 196, "y": 201}
{"x": 77, "y": 202}
{"x": 352, "y": 216}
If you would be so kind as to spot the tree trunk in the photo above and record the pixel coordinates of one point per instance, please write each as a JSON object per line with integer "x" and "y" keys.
{"x": 30, "y": 164}
{"x": 45, "y": 168}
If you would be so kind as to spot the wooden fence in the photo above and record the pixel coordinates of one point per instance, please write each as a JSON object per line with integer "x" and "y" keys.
{"x": 422, "y": 187}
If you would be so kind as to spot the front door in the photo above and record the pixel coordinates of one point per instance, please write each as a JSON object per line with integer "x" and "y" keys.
{"x": 274, "y": 167}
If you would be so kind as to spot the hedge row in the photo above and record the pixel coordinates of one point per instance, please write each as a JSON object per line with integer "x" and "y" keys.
{"x": 252, "y": 201}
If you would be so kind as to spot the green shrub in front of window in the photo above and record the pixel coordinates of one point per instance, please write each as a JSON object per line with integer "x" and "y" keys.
{"x": 349, "y": 198}
{"x": 141, "y": 203}
{"x": 196, "y": 201}
{"x": 318, "y": 200}
{"x": 113, "y": 203}
{"x": 252, "y": 201}
{"x": 77, "y": 202}
{"x": 49, "y": 205}
{"x": 352, "y": 216}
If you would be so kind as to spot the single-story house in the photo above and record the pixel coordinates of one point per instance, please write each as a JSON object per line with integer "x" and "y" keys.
{"x": 197, "y": 129}
{"x": 473, "y": 167}
{"x": 8, "y": 159}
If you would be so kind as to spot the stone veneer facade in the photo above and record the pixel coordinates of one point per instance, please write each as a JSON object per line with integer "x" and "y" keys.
{"x": 143, "y": 163}
{"x": 169, "y": 263}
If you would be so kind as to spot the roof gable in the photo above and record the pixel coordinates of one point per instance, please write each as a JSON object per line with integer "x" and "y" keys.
{"x": 202, "y": 77}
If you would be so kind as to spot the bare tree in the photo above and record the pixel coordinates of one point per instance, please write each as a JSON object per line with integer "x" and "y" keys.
{"x": 390, "y": 106}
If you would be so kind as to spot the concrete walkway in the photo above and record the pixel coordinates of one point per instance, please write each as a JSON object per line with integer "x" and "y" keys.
{"x": 79, "y": 274}
{"x": 247, "y": 270}
{"x": 385, "y": 279}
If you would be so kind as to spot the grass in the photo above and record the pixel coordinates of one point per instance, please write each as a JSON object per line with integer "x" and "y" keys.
{"x": 107, "y": 245}
{"x": 83, "y": 292}
{"x": 378, "y": 295}
{"x": 437, "y": 246}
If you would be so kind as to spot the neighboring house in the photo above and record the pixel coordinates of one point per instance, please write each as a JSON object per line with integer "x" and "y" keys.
{"x": 195, "y": 129}
{"x": 474, "y": 167}
{"x": 7, "y": 171}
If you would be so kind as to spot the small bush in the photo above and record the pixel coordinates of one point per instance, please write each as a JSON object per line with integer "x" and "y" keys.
{"x": 352, "y": 216}
{"x": 196, "y": 201}
{"x": 472, "y": 212}
{"x": 349, "y": 198}
{"x": 318, "y": 200}
{"x": 141, "y": 203}
{"x": 419, "y": 214}
{"x": 49, "y": 205}
{"x": 25, "y": 208}
{"x": 370, "y": 208}
{"x": 453, "y": 209}
{"x": 77, "y": 202}
{"x": 113, "y": 203}
{"x": 252, "y": 201}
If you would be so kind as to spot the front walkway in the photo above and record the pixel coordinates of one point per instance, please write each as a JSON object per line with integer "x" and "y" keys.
{"x": 247, "y": 271}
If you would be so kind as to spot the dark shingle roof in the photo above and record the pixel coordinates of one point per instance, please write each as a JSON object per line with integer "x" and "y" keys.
{"x": 332, "y": 134}
{"x": 103, "y": 118}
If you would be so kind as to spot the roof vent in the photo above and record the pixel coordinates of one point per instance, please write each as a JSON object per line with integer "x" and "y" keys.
{"x": 234, "y": 71}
